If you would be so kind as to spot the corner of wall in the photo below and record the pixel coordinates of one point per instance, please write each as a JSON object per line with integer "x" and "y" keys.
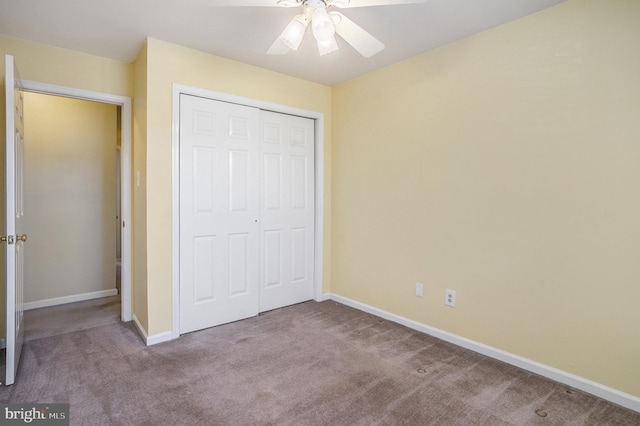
{"x": 139, "y": 234}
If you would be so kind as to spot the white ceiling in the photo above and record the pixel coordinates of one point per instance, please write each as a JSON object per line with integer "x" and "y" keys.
{"x": 117, "y": 29}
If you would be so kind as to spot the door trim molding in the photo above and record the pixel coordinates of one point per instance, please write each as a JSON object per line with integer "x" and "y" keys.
{"x": 125, "y": 184}
{"x": 318, "y": 117}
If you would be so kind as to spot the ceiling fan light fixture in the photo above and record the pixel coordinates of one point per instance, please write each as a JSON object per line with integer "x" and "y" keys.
{"x": 327, "y": 46}
{"x": 294, "y": 32}
{"x": 322, "y": 25}
{"x": 325, "y": 25}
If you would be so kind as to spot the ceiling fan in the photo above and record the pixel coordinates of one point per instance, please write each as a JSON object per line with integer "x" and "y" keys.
{"x": 325, "y": 24}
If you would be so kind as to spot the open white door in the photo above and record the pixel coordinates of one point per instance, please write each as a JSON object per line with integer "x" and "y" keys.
{"x": 14, "y": 212}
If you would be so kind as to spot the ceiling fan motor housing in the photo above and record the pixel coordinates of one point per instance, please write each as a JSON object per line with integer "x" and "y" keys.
{"x": 315, "y": 4}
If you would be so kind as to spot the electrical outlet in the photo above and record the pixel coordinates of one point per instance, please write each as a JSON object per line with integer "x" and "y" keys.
{"x": 450, "y": 298}
{"x": 419, "y": 289}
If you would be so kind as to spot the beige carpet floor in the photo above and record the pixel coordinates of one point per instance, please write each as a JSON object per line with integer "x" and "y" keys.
{"x": 308, "y": 364}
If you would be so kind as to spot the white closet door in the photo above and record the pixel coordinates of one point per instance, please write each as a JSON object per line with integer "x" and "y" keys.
{"x": 219, "y": 212}
{"x": 287, "y": 210}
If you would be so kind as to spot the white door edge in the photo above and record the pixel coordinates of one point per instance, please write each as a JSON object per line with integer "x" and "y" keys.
{"x": 126, "y": 150}
{"x": 318, "y": 117}
{"x": 14, "y": 308}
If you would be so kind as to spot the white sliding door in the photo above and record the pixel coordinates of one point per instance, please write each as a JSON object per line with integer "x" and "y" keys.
{"x": 246, "y": 211}
{"x": 219, "y": 212}
{"x": 287, "y": 210}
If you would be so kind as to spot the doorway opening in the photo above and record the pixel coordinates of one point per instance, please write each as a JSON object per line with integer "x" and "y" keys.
{"x": 117, "y": 219}
{"x": 70, "y": 184}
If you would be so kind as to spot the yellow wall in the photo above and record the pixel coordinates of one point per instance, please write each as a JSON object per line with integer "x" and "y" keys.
{"x": 70, "y": 196}
{"x": 47, "y": 64}
{"x": 504, "y": 166}
{"x": 139, "y": 260}
{"x": 166, "y": 64}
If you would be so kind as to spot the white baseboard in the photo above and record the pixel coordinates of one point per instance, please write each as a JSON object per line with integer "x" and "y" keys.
{"x": 151, "y": 340}
{"x": 70, "y": 299}
{"x": 140, "y": 328}
{"x": 160, "y": 338}
{"x": 613, "y": 395}
{"x": 323, "y": 297}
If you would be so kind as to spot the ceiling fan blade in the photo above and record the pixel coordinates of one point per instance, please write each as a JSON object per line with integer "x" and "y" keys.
{"x": 353, "y": 34}
{"x": 278, "y": 48}
{"x": 255, "y": 3}
{"x": 365, "y": 3}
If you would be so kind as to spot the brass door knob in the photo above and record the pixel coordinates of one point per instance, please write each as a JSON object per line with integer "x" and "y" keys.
{"x": 22, "y": 238}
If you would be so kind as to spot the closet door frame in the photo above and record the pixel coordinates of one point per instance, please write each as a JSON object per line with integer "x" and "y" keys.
{"x": 318, "y": 118}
